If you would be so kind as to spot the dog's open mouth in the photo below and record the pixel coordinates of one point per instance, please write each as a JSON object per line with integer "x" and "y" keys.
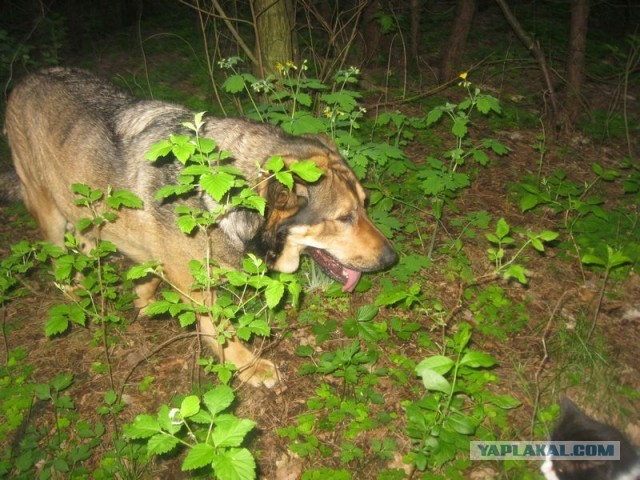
{"x": 348, "y": 277}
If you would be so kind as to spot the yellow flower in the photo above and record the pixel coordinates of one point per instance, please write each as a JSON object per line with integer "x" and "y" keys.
{"x": 464, "y": 75}
{"x": 279, "y": 67}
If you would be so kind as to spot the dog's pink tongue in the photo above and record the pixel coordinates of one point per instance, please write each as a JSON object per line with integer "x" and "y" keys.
{"x": 353, "y": 277}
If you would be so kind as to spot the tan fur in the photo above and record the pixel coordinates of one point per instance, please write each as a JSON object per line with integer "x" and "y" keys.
{"x": 66, "y": 126}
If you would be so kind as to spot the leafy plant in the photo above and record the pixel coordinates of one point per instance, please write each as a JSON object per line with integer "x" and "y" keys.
{"x": 212, "y": 438}
{"x": 455, "y": 404}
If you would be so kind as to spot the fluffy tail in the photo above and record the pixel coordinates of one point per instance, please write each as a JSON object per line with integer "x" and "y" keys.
{"x": 10, "y": 189}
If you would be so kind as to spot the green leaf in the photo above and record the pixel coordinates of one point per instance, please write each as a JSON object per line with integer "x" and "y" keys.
{"x": 518, "y": 272}
{"x": 160, "y": 149}
{"x": 434, "y": 115}
{"x": 200, "y": 455}
{"x": 590, "y": 259}
{"x": 143, "y": 426}
{"x": 125, "y": 198}
{"x": 477, "y": 360}
{"x": 274, "y": 164}
{"x": 460, "y": 423}
{"x": 529, "y": 201}
{"x": 230, "y": 430}
{"x": 459, "y": 128}
{"x": 190, "y": 406}
{"x": 307, "y": 170}
{"x": 218, "y": 399}
{"x": 55, "y": 325}
{"x": 186, "y": 223}
{"x": 547, "y": 236}
{"x": 274, "y": 293}
{"x": 235, "y": 464}
{"x": 161, "y": 443}
{"x": 217, "y": 185}
{"x": 487, "y": 103}
{"x": 233, "y": 84}
{"x": 502, "y": 228}
{"x": 432, "y": 380}
{"x": 285, "y": 178}
{"x": 437, "y": 363}
{"x": 62, "y": 382}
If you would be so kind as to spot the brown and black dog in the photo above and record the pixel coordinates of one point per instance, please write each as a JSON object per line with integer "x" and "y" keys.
{"x": 66, "y": 126}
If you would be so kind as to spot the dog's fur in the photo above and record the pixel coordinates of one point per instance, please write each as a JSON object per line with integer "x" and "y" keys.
{"x": 66, "y": 126}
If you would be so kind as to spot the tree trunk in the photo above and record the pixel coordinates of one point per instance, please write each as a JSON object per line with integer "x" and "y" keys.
{"x": 274, "y": 33}
{"x": 575, "y": 61}
{"x": 457, "y": 39}
{"x": 416, "y": 11}
{"x": 552, "y": 117}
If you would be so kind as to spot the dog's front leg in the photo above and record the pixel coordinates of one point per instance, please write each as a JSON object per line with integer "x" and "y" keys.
{"x": 253, "y": 370}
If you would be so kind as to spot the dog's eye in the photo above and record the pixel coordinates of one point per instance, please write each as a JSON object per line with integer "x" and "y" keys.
{"x": 348, "y": 218}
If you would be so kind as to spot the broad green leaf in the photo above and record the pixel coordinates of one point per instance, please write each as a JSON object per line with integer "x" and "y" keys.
{"x": 200, "y": 455}
{"x": 62, "y": 382}
{"x": 460, "y": 423}
{"x": 218, "y": 399}
{"x": 124, "y": 198}
{"x": 529, "y": 201}
{"x": 459, "y": 128}
{"x": 161, "y": 443}
{"x": 438, "y": 363}
{"x": 233, "y": 84}
{"x": 286, "y": 179}
{"x": 274, "y": 293}
{"x": 432, "y": 380}
{"x": 190, "y": 406}
{"x": 548, "y": 236}
{"x": 590, "y": 259}
{"x": 307, "y": 170}
{"x": 502, "y": 228}
{"x": 186, "y": 223}
{"x": 217, "y": 184}
{"x": 434, "y": 115}
{"x": 235, "y": 464}
{"x": 143, "y": 426}
{"x": 160, "y": 149}
{"x": 55, "y": 324}
{"x": 274, "y": 164}
{"x": 477, "y": 360}
{"x": 230, "y": 431}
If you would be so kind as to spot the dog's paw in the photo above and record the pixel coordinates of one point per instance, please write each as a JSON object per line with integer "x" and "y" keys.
{"x": 260, "y": 373}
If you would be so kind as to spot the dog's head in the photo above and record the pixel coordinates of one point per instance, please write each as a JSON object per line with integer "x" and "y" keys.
{"x": 325, "y": 219}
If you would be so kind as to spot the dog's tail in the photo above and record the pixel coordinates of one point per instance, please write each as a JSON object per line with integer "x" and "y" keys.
{"x": 10, "y": 189}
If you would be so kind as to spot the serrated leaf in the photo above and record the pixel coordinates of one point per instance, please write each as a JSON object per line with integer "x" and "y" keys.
{"x": 186, "y": 223}
{"x": 62, "y": 381}
{"x": 143, "y": 426}
{"x": 434, "y": 115}
{"x": 459, "y": 128}
{"x": 233, "y": 84}
{"x": 187, "y": 318}
{"x": 190, "y": 406}
{"x": 125, "y": 198}
{"x": 274, "y": 164}
{"x": 217, "y": 184}
{"x": 218, "y": 399}
{"x": 518, "y": 272}
{"x": 161, "y": 443}
{"x": 391, "y": 296}
{"x": 502, "y": 228}
{"x": 230, "y": 431}
{"x": 200, "y": 455}
{"x": 307, "y": 170}
{"x": 55, "y": 325}
{"x": 505, "y": 402}
{"x": 274, "y": 293}
{"x": 235, "y": 464}
{"x": 285, "y": 178}
{"x": 157, "y": 150}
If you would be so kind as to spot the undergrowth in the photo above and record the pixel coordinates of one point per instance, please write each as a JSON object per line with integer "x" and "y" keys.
{"x": 450, "y": 387}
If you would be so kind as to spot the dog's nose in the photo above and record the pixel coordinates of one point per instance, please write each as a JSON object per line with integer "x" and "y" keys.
{"x": 388, "y": 257}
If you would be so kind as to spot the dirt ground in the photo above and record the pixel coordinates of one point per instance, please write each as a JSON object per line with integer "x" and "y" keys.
{"x": 556, "y": 296}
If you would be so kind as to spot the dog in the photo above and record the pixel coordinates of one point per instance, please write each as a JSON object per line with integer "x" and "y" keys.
{"x": 66, "y": 126}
